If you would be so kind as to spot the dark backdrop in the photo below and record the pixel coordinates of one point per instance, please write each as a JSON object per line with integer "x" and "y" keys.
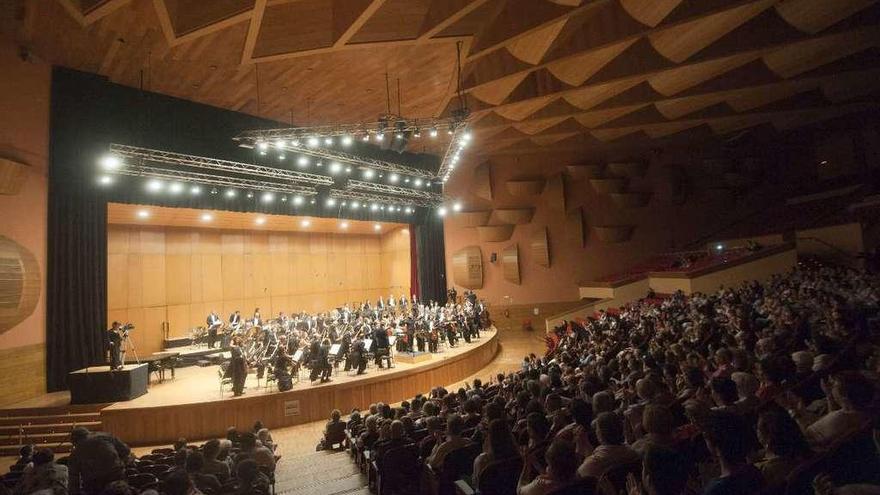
{"x": 87, "y": 114}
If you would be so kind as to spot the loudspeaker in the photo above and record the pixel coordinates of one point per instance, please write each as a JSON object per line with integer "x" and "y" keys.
{"x": 493, "y": 257}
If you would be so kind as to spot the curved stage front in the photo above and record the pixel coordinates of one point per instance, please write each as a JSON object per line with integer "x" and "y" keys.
{"x": 182, "y": 408}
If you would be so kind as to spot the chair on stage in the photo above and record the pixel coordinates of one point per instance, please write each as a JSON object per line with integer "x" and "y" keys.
{"x": 224, "y": 380}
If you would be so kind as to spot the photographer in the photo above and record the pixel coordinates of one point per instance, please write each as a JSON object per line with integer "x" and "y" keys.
{"x": 115, "y": 337}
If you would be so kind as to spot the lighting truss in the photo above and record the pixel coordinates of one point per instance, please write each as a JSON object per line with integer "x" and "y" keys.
{"x": 379, "y": 198}
{"x": 360, "y": 161}
{"x": 389, "y": 124}
{"x": 452, "y": 153}
{"x": 171, "y": 158}
{"x": 215, "y": 180}
{"x": 387, "y": 189}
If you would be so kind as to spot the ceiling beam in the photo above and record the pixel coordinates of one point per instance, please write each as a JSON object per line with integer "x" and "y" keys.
{"x": 212, "y": 28}
{"x": 357, "y": 23}
{"x": 73, "y": 11}
{"x": 357, "y": 46}
{"x": 452, "y": 19}
{"x": 256, "y": 21}
{"x": 164, "y": 20}
{"x": 104, "y": 9}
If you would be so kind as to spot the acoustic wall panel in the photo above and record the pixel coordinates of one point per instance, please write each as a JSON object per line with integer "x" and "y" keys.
{"x": 514, "y": 216}
{"x": 19, "y": 283}
{"x": 495, "y": 233}
{"x": 525, "y": 187}
{"x": 482, "y": 186}
{"x": 574, "y": 226}
{"x": 510, "y": 264}
{"x": 613, "y": 234}
{"x": 467, "y": 267}
{"x": 540, "y": 247}
{"x": 555, "y": 192}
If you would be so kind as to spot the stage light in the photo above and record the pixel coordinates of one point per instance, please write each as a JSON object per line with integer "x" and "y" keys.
{"x": 319, "y": 164}
{"x": 406, "y": 180}
{"x": 348, "y": 170}
{"x": 442, "y": 211}
{"x": 312, "y": 201}
{"x": 408, "y": 210}
{"x": 175, "y": 188}
{"x": 207, "y": 217}
{"x": 368, "y": 174}
{"x": 302, "y": 161}
{"x": 355, "y": 205}
{"x": 110, "y": 162}
{"x": 343, "y": 225}
{"x": 374, "y": 207}
{"x": 418, "y": 183}
{"x": 393, "y": 178}
{"x": 281, "y": 157}
{"x": 382, "y": 207}
{"x": 268, "y": 197}
{"x": 433, "y": 132}
{"x": 417, "y": 133}
{"x": 305, "y": 223}
{"x": 262, "y": 146}
{"x": 328, "y": 141}
{"x": 399, "y": 135}
{"x": 346, "y": 140}
{"x": 284, "y": 199}
{"x": 231, "y": 193}
{"x": 143, "y": 214}
{"x": 466, "y": 136}
{"x": 313, "y": 142}
{"x": 155, "y": 185}
{"x": 331, "y": 202}
{"x": 335, "y": 167}
{"x": 213, "y": 190}
{"x": 462, "y": 144}
{"x": 105, "y": 180}
{"x": 365, "y": 138}
{"x": 380, "y": 136}
{"x": 195, "y": 190}
{"x": 344, "y": 203}
{"x": 719, "y": 247}
{"x": 456, "y": 206}
{"x": 297, "y": 200}
{"x": 294, "y": 143}
{"x": 377, "y": 227}
{"x": 451, "y": 131}
{"x": 262, "y": 152}
{"x": 260, "y": 220}
{"x": 280, "y": 144}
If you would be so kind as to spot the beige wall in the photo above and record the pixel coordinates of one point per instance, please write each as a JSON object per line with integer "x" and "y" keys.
{"x": 660, "y": 226}
{"x": 179, "y": 275}
{"x": 836, "y": 241}
{"x": 24, "y": 138}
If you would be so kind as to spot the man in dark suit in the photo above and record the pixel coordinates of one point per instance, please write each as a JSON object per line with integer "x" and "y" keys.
{"x": 380, "y": 338}
{"x": 214, "y": 322}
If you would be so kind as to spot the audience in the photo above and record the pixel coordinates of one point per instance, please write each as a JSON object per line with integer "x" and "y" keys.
{"x": 44, "y": 475}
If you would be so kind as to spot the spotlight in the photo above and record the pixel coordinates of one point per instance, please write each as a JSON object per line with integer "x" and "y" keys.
{"x": 365, "y": 138}
{"x": 328, "y": 141}
{"x": 175, "y": 188}
{"x": 719, "y": 247}
{"x": 346, "y": 140}
{"x": 408, "y": 210}
{"x": 433, "y": 132}
{"x": 281, "y": 156}
{"x": 305, "y": 223}
{"x": 399, "y": 135}
{"x": 302, "y": 161}
{"x": 230, "y": 193}
{"x": 268, "y": 197}
{"x": 355, "y": 205}
{"x": 418, "y": 183}
{"x": 312, "y": 202}
{"x": 442, "y": 211}
{"x": 319, "y": 164}
{"x": 262, "y": 152}
{"x": 368, "y": 174}
{"x": 462, "y": 143}
{"x": 105, "y": 180}
{"x": 331, "y": 202}
{"x": 155, "y": 185}
{"x": 377, "y": 227}
{"x": 374, "y": 207}
{"x": 110, "y": 162}
{"x": 280, "y": 143}
{"x": 260, "y": 220}
{"x": 466, "y": 136}
{"x": 450, "y": 131}
{"x": 262, "y": 146}
{"x": 406, "y": 180}
{"x": 313, "y": 142}
{"x": 382, "y": 207}
{"x": 250, "y": 195}
{"x": 393, "y": 178}
{"x": 417, "y": 133}
{"x": 335, "y": 167}
{"x": 456, "y": 206}
{"x": 214, "y": 190}
{"x": 297, "y": 200}
{"x": 380, "y": 136}
{"x": 284, "y": 199}
{"x": 294, "y": 143}
{"x": 195, "y": 190}
{"x": 143, "y": 214}
{"x": 344, "y": 203}
{"x": 343, "y": 225}
{"x": 348, "y": 170}
{"x": 207, "y": 217}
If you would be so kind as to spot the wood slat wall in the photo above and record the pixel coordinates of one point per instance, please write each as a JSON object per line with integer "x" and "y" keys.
{"x": 178, "y": 275}
{"x": 22, "y": 373}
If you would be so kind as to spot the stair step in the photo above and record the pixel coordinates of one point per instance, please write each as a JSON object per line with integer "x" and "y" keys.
{"x": 76, "y": 418}
{"x": 12, "y": 450}
{"x": 52, "y": 411}
{"x": 327, "y": 486}
{"x": 46, "y": 428}
{"x": 50, "y": 438}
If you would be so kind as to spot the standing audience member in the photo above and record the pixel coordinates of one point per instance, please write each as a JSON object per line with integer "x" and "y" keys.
{"x": 44, "y": 475}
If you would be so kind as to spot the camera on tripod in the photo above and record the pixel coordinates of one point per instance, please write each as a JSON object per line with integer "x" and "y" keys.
{"x": 124, "y": 329}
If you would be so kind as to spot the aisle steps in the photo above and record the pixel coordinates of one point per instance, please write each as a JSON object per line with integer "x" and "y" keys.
{"x": 45, "y": 427}
{"x": 324, "y": 472}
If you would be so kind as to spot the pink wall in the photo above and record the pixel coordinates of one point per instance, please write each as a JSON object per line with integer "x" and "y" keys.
{"x": 24, "y": 137}
{"x": 660, "y": 226}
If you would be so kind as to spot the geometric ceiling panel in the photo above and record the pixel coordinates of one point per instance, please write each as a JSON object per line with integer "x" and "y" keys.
{"x": 536, "y": 126}
{"x": 813, "y": 16}
{"x": 551, "y": 138}
{"x": 519, "y": 111}
{"x": 597, "y": 118}
{"x": 532, "y": 47}
{"x": 558, "y": 108}
{"x": 679, "y": 107}
{"x": 680, "y": 42}
{"x": 656, "y": 131}
{"x": 674, "y": 81}
{"x": 752, "y": 98}
{"x": 803, "y": 56}
{"x": 497, "y": 91}
{"x": 614, "y": 133}
{"x": 848, "y": 86}
{"x": 391, "y": 20}
{"x": 591, "y": 96}
{"x": 649, "y": 12}
{"x": 575, "y": 70}
{"x": 187, "y": 16}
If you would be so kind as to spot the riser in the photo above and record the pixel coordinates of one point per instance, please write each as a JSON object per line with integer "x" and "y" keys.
{"x": 12, "y": 451}
{"x": 36, "y": 439}
{"x": 52, "y": 411}
{"x": 48, "y": 420}
{"x": 48, "y": 428}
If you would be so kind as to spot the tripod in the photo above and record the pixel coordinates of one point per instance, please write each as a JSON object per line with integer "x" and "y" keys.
{"x": 127, "y": 345}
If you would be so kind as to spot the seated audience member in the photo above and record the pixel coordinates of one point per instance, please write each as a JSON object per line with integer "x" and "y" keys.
{"x": 179, "y": 483}
{"x": 179, "y": 444}
{"x": 427, "y": 444}
{"x": 25, "y": 457}
{"x": 123, "y": 488}
{"x": 334, "y": 431}
{"x": 657, "y": 424}
{"x": 250, "y": 449}
{"x": 498, "y": 445}
{"x": 355, "y": 421}
{"x": 265, "y": 438}
{"x": 849, "y": 395}
{"x": 212, "y": 465}
{"x": 784, "y": 445}
{"x": 396, "y": 438}
{"x": 561, "y": 471}
{"x": 232, "y": 436}
{"x": 453, "y": 441}
{"x": 44, "y": 475}
{"x": 664, "y": 472}
{"x": 579, "y": 431}
{"x": 96, "y": 460}
{"x": 195, "y": 465}
{"x": 251, "y": 481}
{"x": 728, "y": 440}
{"x": 370, "y": 434}
{"x": 611, "y": 451}
{"x": 724, "y": 394}
{"x": 746, "y": 388}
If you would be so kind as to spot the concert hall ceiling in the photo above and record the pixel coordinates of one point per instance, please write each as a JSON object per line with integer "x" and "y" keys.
{"x": 538, "y": 74}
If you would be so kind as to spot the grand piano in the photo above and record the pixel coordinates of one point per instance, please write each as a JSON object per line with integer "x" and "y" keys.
{"x": 158, "y": 362}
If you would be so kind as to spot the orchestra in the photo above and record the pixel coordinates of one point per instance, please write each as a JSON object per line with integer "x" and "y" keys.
{"x": 349, "y": 335}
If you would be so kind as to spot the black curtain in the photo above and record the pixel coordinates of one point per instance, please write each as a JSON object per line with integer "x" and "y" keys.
{"x": 432, "y": 259}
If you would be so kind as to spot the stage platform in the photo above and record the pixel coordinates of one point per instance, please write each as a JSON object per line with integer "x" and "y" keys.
{"x": 193, "y": 407}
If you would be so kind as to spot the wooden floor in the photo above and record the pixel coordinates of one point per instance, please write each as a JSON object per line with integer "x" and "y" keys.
{"x": 304, "y": 471}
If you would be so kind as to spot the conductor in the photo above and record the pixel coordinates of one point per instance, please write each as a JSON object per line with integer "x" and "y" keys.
{"x": 380, "y": 337}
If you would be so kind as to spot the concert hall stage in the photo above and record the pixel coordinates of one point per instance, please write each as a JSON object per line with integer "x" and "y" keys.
{"x": 191, "y": 406}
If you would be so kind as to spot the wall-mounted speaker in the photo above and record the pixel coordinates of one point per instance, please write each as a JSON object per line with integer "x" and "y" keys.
{"x": 493, "y": 257}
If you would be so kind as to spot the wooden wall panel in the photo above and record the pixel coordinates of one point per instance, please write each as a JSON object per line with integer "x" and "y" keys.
{"x": 540, "y": 247}
{"x": 467, "y": 267}
{"x": 179, "y": 275}
{"x": 510, "y": 264}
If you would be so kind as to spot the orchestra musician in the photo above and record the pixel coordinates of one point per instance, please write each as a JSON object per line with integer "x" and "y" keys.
{"x": 237, "y": 367}
{"x": 380, "y": 340}
{"x": 234, "y": 325}
{"x": 283, "y": 365}
{"x": 358, "y": 356}
{"x": 114, "y": 337}
{"x": 258, "y": 321}
{"x": 214, "y": 323}
{"x": 324, "y": 361}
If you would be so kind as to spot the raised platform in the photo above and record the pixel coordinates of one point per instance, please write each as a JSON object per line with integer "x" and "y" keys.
{"x": 192, "y": 406}
{"x": 412, "y": 358}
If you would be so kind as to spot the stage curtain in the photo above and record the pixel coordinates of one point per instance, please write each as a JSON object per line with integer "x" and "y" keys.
{"x": 413, "y": 264}
{"x": 431, "y": 259}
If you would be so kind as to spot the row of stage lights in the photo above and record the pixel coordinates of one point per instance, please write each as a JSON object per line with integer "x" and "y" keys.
{"x": 206, "y": 217}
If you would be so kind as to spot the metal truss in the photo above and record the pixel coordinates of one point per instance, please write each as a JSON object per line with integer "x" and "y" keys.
{"x": 171, "y": 158}
{"x": 391, "y": 124}
{"x": 379, "y": 198}
{"x": 215, "y": 180}
{"x": 453, "y": 151}
{"x": 359, "y": 161}
{"x": 386, "y": 189}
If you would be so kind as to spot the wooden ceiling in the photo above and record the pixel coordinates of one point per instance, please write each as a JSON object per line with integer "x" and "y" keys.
{"x": 160, "y": 216}
{"x": 538, "y": 74}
